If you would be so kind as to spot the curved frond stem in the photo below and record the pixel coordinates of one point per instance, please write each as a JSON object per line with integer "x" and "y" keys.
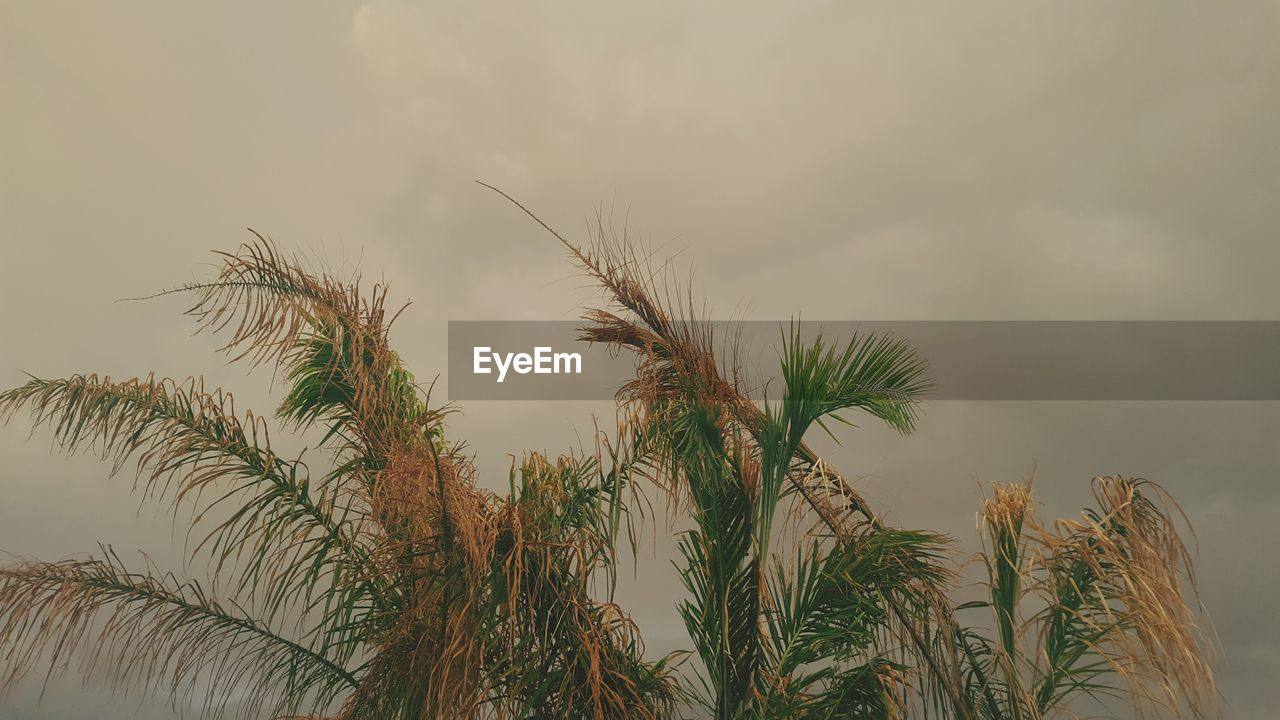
{"x": 189, "y": 444}
{"x": 154, "y": 631}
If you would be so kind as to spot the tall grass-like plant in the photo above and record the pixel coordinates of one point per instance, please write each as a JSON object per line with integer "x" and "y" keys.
{"x": 1099, "y": 607}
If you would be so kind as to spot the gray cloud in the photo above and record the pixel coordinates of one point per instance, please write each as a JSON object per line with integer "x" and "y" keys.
{"x": 984, "y": 160}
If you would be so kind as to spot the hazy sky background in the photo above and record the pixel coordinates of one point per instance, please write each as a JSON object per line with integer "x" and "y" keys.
{"x": 843, "y": 160}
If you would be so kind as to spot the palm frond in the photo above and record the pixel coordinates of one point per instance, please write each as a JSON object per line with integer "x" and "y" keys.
{"x": 152, "y": 631}
{"x": 830, "y": 610}
{"x": 327, "y": 336}
{"x": 1121, "y": 606}
{"x": 675, "y": 358}
{"x": 566, "y": 654}
{"x": 286, "y": 536}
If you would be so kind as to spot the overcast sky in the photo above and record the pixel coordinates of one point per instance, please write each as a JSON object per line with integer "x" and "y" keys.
{"x": 842, "y": 160}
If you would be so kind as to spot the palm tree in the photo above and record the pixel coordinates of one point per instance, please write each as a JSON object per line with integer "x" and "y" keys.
{"x": 383, "y": 584}
{"x": 819, "y": 604}
{"x": 805, "y": 633}
{"x": 855, "y": 620}
{"x": 387, "y": 585}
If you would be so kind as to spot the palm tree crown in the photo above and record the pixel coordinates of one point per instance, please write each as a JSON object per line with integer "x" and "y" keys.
{"x": 388, "y": 583}
{"x": 380, "y": 582}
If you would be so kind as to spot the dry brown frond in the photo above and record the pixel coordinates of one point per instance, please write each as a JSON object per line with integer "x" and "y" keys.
{"x": 1139, "y": 584}
{"x": 1006, "y": 510}
{"x": 321, "y": 331}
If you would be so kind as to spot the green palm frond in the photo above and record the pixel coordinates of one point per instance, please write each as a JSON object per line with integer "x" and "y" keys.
{"x": 978, "y": 663}
{"x": 730, "y": 459}
{"x": 722, "y": 572}
{"x": 565, "y": 654}
{"x": 733, "y": 476}
{"x": 284, "y": 534}
{"x": 328, "y": 338}
{"x": 879, "y": 374}
{"x": 155, "y": 632}
{"x": 829, "y": 609}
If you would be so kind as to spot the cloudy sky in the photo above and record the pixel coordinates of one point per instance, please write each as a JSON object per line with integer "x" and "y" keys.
{"x": 843, "y": 160}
